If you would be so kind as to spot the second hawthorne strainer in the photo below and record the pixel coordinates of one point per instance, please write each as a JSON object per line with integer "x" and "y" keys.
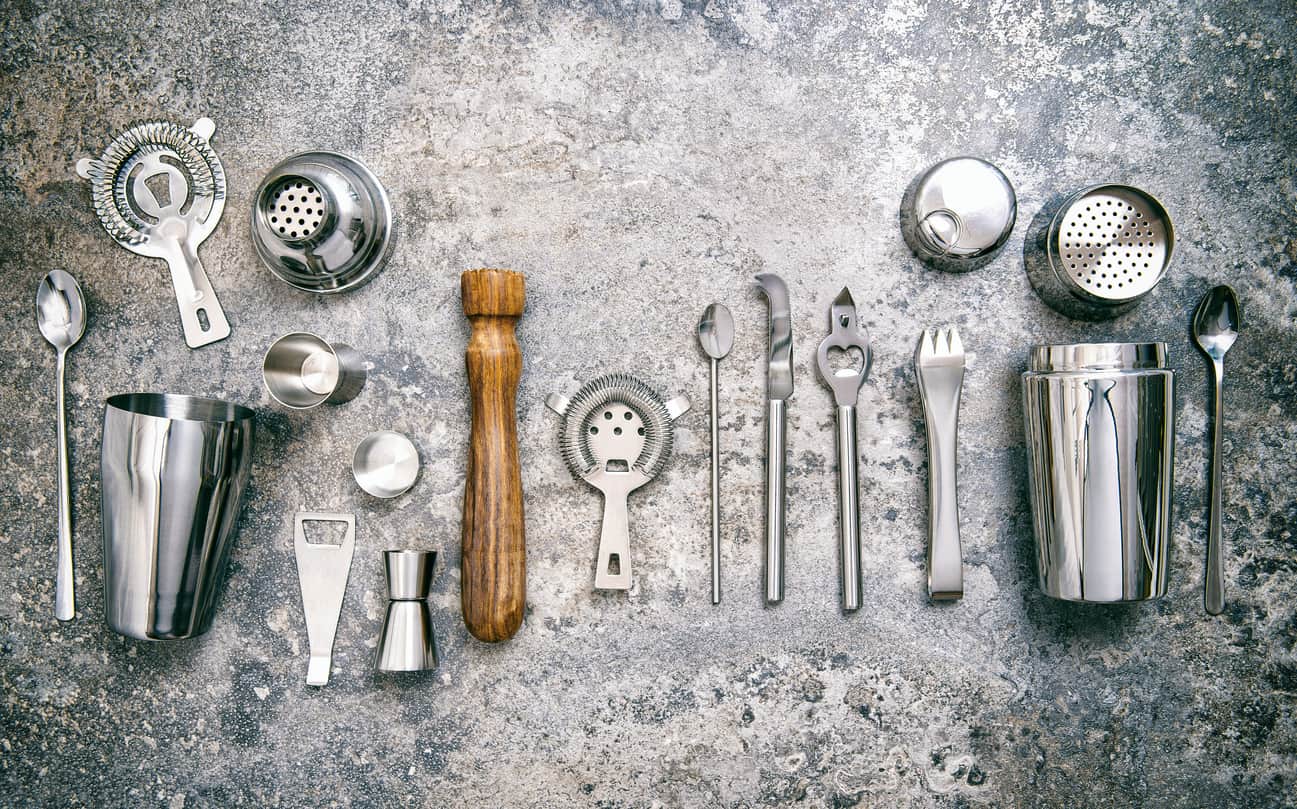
{"x": 1106, "y": 248}
{"x": 616, "y": 435}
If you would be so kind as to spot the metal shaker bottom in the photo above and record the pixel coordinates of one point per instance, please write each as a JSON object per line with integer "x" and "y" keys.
{"x": 173, "y": 471}
{"x": 1100, "y": 438}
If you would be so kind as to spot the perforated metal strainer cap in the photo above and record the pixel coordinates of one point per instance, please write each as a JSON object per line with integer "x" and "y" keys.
{"x": 1107, "y": 247}
{"x": 322, "y": 223}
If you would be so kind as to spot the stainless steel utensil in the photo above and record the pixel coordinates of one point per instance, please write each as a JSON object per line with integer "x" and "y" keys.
{"x": 127, "y": 185}
{"x": 1105, "y": 249}
{"x": 957, "y": 214}
{"x": 173, "y": 472}
{"x": 407, "y": 642}
{"x": 385, "y": 464}
{"x": 716, "y": 335}
{"x": 302, "y": 370}
{"x": 845, "y": 337}
{"x": 1100, "y": 444}
{"x": 616, "y": 435}
{"x": 779, "y": 387}
{"x": 939, "y": 365}
{"x": 1216, "y": 326}
{"x": 61, "y": 318}
{"x": 322, "y": 570}
{"x": 321, "y": 222}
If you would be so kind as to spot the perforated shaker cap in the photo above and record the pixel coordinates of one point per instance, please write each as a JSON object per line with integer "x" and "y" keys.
{"x": 1112, "y": 243}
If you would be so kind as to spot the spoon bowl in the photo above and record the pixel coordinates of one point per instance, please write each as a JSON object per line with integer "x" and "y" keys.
{"x": 60, "y": 310}
{"x": 716, "y": 331}
{"x": 1216, "y": 322}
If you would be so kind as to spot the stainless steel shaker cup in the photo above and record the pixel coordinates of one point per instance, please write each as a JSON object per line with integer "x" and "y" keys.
{"x": 1100, "y": 440}
{"x": 173, "y": 471}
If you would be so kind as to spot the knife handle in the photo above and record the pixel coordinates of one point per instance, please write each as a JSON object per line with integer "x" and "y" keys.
{"x": 776, "y": 432}
{"x": 493, "y": 563}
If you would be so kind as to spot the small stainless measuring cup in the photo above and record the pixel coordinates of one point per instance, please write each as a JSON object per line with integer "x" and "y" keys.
{"x": 301, "y": 371}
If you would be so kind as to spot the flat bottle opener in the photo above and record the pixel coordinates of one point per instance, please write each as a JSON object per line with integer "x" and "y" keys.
{"x": 322, "y": 570}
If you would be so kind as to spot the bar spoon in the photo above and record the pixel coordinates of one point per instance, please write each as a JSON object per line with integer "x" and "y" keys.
{"x": 1215, "y": 328}
{"x": 61, "y": 316}
{"x": 716, "y": 335}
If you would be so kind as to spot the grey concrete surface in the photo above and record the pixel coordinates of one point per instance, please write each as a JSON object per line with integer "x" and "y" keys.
{"x": 638, "y": 161}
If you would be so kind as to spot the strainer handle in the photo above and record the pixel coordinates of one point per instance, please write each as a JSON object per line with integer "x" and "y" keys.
{"x": 613, "y": 572}
{"x": 201, "y": 315}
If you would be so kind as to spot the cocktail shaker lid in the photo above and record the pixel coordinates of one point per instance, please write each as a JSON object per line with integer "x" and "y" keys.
{"x": 958, "y": 213}
{"x": 1097, "y": 357}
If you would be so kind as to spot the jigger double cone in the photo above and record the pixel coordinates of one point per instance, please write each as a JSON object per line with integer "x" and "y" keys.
{"x": 407, "y": 642}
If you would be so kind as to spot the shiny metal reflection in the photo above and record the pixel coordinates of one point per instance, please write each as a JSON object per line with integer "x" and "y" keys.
{"x": 385, "y": 464}
{"x": 1100, "y": 438}
{"x": 957, "y": 214}
{"x": 174, "y": 469}
{"x": 408, "y": 641}
{"x": 1106, "y": 248}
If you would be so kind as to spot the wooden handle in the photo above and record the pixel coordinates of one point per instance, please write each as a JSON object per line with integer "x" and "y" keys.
{"x": 494, "y": 562}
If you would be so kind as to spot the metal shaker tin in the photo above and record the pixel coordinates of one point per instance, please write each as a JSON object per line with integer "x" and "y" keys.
{"x": 958, "y": 214}
{"x": 1100, "y": 443}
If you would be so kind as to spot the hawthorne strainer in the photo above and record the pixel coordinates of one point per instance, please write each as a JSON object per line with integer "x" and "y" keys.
{"x": 616, "y": 436}
{"x": 1106, "y": 248}
{"x": 159, "y": 191}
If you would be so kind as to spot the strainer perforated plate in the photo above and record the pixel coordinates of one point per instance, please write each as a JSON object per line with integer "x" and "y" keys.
{"x": 1112, "y": 243}
{"x": 296, "y": 209}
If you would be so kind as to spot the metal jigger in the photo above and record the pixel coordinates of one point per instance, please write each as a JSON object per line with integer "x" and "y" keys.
{"x": 407, "y": 642}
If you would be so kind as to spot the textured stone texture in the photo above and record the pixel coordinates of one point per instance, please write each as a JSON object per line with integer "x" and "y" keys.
{"x": 638, "y": 161}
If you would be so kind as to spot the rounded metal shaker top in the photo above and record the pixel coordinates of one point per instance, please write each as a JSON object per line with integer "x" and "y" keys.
{"x": 409, "y": 574}
{"x": 321, "y": 222}
{"x": 385, "y": 464}
{"x": 959, "y": 213}
{"x": 1097, "y": 357}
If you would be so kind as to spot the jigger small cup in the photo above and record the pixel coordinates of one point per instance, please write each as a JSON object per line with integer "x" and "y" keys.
{"x": 302, "y": 370}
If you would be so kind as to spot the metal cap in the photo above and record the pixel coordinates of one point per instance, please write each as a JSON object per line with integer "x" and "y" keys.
{"x": 321, "y": 222}
{"x": 1097, "y": 357}
{"x": 409, "y": 574}
{"x": 956, "y": 215}
{"x": 385, "y": 464}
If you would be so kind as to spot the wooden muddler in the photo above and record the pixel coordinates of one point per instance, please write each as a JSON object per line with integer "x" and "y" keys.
{"x": 494, "y": 562}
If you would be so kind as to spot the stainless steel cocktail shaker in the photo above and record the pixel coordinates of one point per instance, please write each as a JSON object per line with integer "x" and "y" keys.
{"x": 1100, "y": 439}
{"x": 174, "y": 469}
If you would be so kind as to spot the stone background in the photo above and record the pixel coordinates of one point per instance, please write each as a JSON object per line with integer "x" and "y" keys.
{"x": 638, "y": 161}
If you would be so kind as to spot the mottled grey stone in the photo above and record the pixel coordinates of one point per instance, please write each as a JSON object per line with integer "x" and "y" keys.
{"x": 638, "y": 161}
